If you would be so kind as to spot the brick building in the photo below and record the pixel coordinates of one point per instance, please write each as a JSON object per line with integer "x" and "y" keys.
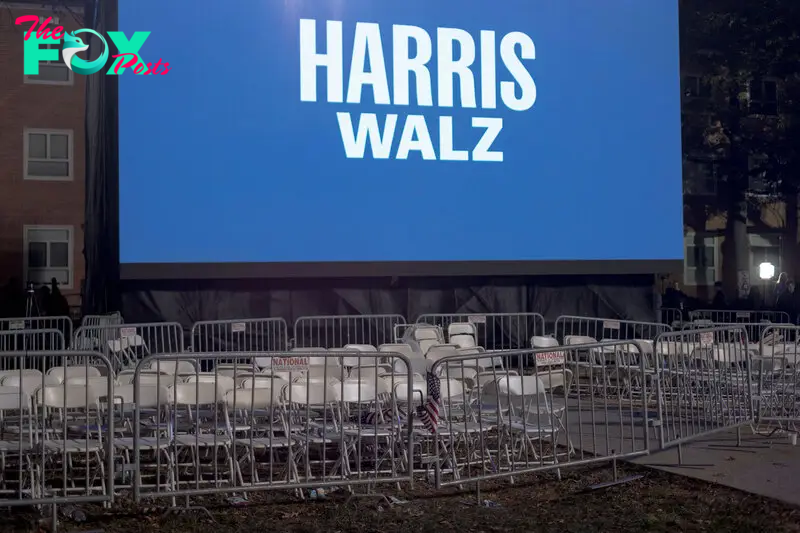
{"x": 42, "y": 156}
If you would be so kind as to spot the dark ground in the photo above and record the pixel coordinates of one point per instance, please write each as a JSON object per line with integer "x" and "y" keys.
{"x": 657, "y": 502}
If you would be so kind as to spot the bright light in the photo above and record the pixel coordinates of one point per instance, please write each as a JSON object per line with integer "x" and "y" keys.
{"x": 766, "y": 271}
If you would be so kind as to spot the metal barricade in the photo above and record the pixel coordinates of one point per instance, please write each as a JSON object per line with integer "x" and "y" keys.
{"x": 110, "y": 319}
{"x": 57, "y": 434}
{"x": 606, "y": 329}
{"x": 672, "y": 316}
{"x": 492, "y": 331}
{"x": 126, "y": 344}
{"x": 754, "y": 329}
{"x": 776, "y": 367}
{"x": 579, "y": 407}
{"x": 704, "y": 383}
{"x": 288, "y": 421}
{"x": 740, "y": 317}
{"x": 61, "y": 323}
{"x": 339, "y": 331}
{"x": 246, "y": 335}
{"x": 37, "y": 340}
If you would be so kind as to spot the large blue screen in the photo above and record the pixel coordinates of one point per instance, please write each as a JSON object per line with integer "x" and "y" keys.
{"x": 401, "y": 130}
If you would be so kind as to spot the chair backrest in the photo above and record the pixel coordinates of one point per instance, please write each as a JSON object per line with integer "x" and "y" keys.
{"x": 311, "y": 393}
{"x": 453, "y": 390}
{"x": 466, "y": 374}
{"x": 337, "y": 373}
{"x": 543, "y": 341}
{"x": 462, "y": 341}
{"x": 572, "y": 340}
{"x": 401, "y": 348}
{"x": 561, "y": 378}
{"x": 236, "y": 370}
{"x": 225, "y": 383}
{"x": 66, "y": 397}
{"x": 258, "y": 398}
{"x": 360, "y": 347}
{"x": 125, "y": 342}
{"x": 172, "y": 366}
{"x": 23, "y": 372}
{"x": 461, "y": 328}
{"x": 419, "y": 389}
{"x": 98, "y": 385}
{"x": 149, "y": 378}
{"x": 419, "y": 365}
{"x": 361, "y": 391}
{"x": 261, "y": 381}
{"x": 29, "y": 383}
{"x": 62, "y": 373}
{"x": 197, "y": 393}
{"x": 440, "y": 351}
{"x": 150, "y": 396}
{"x": 520, "y": 386}
{"x": 462, "y": 334}
{"x": 14, "y": 399}
{"x": 425, "y": 332}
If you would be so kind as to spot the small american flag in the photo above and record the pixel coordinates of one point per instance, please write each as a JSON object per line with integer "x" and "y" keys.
{"x": 429, "y": 413}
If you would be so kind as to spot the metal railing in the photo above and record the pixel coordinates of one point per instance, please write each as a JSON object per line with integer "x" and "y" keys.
{"x": 246, "y": 335}
{"x": 57, "y": 438}
{"x": 703, "y": 381}
{"x": 110, "y": 319}
{"x": 141, "y": 414}
{"x": 603, "y": 329}
{"x": 61, "y": 323}
{"x": 583, "y": 405}
{"x": 340, "y": 331}
{"x": 778, "y": 379}
{"x": 743, "y": 316}
{"x": 126, "y": 344}
{"x": 492, "y": 331}
{"x": 283, "y": 422}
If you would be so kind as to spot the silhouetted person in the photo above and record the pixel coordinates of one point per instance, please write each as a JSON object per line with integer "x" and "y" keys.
{"x": 781, "y": 286}
{"x": 58, "y": 305}
{"x": 42, "y": 300}
{"x": 719, "y": 301}
{"x": 786, "y": 301}
{"x": 753, "y": 302}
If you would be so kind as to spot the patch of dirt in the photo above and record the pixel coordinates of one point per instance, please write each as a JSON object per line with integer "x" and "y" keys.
{"x": 658, "y": 502}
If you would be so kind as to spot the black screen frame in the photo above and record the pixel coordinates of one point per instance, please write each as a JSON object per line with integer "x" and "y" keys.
{"x": 164, "y": 271}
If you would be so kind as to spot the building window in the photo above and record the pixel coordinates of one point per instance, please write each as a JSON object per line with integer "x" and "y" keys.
{"x": 48, "y": 155}
{"x": 701, "y": 264}
{"x": 51, "y": 72}
{"x": 764, "y": 249}
{"x": 48, "y": 254}
{"x": 696, "y": 87}
{"x": 763, "y": 97}
{"x": 757, "y": 175}
{"x": 700, "y": 177}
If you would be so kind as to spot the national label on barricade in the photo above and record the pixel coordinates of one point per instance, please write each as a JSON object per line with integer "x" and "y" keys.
{"x": 289, "y": 364}
{"x": 742, "y": 314}
{"x": 610, "y": 324}
{"x": 17, "y": 324}
{"x": 127, "y": 332}
{"x": 550, "y": 358}
{"x": 238, "y": 327}
{"x": 707, "y": 339}
{"x": 477, "y": 319}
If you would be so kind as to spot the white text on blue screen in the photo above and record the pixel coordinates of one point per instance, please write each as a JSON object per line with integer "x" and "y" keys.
{"x": 368, "y": 68}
